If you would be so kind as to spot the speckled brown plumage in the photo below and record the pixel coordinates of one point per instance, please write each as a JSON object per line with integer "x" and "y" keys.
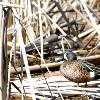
{"x": 74, "y": 72}
{"x": 78, "y": 71}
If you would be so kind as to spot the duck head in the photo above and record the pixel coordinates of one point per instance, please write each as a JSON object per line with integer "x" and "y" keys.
{"x": 69, "y": 56}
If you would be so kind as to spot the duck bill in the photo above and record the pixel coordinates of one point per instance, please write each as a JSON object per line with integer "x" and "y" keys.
{"x": 60, "y": 59}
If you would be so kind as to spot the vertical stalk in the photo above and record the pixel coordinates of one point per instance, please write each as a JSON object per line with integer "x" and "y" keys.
{"x": 41, "y": 32}
{"x": 1, "y": 39}
{"x": 3, "y": 55}
{"x": 22, "y": 47}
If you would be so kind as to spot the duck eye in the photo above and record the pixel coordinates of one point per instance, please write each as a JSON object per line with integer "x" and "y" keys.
{"x": 66, "y": 54}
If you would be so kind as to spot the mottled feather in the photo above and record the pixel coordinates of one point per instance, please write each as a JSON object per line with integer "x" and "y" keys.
{"x": 77, "y": 70}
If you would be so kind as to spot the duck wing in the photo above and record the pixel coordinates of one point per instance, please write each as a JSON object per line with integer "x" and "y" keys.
{"x": 90, "y": 67}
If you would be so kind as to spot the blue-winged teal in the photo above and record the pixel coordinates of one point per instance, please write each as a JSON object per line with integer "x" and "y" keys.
{"x": 78, "y": 71}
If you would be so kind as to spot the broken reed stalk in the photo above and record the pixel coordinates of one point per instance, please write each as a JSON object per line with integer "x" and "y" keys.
{"x": 22, "y": 88}
{"x": 86, "y": 32}
{"x": 58, "y": 27}
{"x": 51, "y": 20}
{"x": 65, "y": 86}
{"x": 9, "y": 70}
{"x": 22, "y": 47}
{"x": 41, "y": 32}
{"x": 28, "y": 14}
{"x": 90, "y": 17}
{"x": 94, "y": 48}
{"x": 37, "y": 67}
{"x": 1, "y": 52}
{"x": 92, "y": 4}
{"x": 80, "y": 14}
{"x": 11, "y": 5}
{"x": 89, "y": 37}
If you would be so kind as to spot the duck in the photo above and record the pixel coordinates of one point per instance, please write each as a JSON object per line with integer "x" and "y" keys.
{"x": 78, "y": 71}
